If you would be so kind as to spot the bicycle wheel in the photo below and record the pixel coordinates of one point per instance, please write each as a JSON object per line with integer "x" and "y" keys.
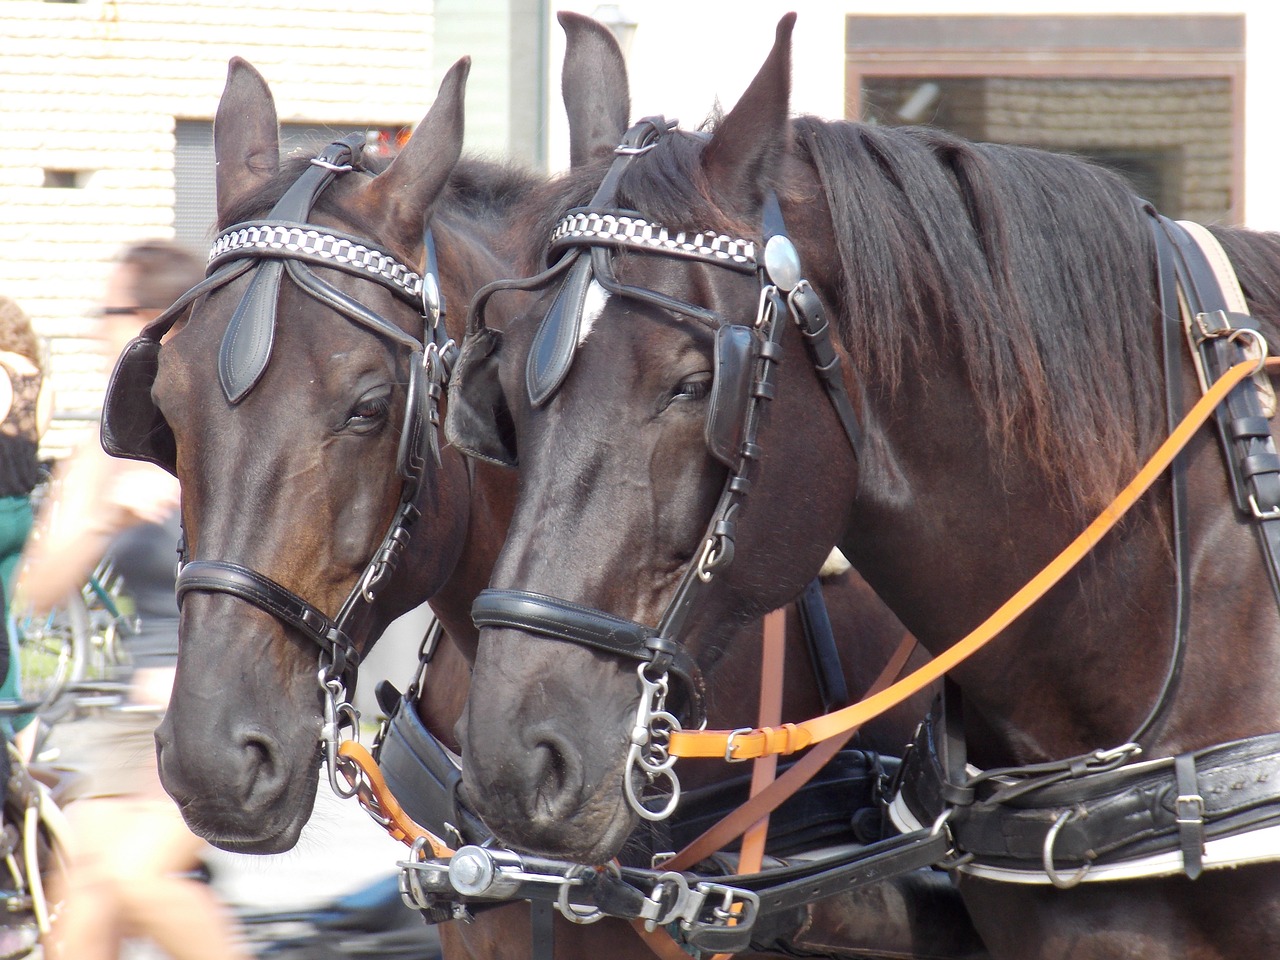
{"x": 53, "y": 649}
{"x": 33, "y": 862}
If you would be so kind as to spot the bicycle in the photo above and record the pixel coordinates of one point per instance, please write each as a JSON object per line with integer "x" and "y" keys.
{"x": 72, "y": 657}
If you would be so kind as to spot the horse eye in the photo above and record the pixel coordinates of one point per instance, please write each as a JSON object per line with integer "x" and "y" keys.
{"x": 697, "y": 387}
{"x": 370, "y": 410}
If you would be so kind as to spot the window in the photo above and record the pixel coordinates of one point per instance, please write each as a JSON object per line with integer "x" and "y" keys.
{"x": 1159, "y": 99}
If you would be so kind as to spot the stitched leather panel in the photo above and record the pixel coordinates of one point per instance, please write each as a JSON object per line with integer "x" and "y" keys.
{"x": 424, "y": 778}
{"x": 730, "y": 393}
{"x": 1130, "y": 810}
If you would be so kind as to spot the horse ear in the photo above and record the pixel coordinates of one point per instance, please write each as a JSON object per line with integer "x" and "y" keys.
{"x": 246, "y": 136}
{"x": 747, "y": 148}
{"x": 404, "y": 192}
{"x": 594, "y": 85}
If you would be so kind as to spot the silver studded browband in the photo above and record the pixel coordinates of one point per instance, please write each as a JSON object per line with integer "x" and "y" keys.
{"x": 586, "y": 228}
{"x": 326, "y": 249}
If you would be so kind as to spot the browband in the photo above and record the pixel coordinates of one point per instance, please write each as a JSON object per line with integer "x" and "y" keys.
{"x": 590, "y": 228}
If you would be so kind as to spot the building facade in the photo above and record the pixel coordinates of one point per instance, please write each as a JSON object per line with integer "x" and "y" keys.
{"x": 106, "y": 106}
{"x": 104, "y": 102}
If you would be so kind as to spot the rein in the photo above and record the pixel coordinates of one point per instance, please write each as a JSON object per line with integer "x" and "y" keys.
{"x": 788, "y": 738}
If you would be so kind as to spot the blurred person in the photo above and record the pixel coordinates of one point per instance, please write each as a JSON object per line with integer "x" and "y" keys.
{"x": 131, "y": 875}
{"x": 25, "y": 406}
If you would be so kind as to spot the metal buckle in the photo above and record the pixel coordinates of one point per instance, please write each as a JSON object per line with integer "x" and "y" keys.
{"x": 729, "y": 745}
{"x": 682, "y": 901}
{"x": 705, "y": 907}
{"x": 1259, "y": 513}
{"x": 1189, "y": 808}
{"x": 738, "y": 908}
{"x": 1221, "y": 328}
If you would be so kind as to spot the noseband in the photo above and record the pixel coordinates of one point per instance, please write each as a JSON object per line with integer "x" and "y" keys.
{"x": 744, "y": 365}
{"x": 284, "y": 243}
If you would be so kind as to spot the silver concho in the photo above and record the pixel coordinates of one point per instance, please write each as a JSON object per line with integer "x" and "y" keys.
{"x": 430, "y": 297}
{"x": 782, "y": 262}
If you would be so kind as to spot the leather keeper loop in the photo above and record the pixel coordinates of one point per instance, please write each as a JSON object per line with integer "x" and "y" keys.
{"x": 1261, "y": 463}
{"x": 1245, "y": 428}
{"x": 771, "y": 350}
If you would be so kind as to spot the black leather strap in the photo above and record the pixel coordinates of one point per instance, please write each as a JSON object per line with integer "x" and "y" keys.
{"x": 1189, "y": 809}
{"x": 1116, "y": 814}
{"x": 1252, "y": 462}
{"x": 821, "y": 642}
{"x": 812, "y": 321}
{"x": 221, "y": 576}
{"x": 562, "y": 620}
{"x": 810, "y": 880}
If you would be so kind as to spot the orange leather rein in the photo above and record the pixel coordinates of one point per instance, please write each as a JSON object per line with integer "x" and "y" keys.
{"x": 791, "y": 737}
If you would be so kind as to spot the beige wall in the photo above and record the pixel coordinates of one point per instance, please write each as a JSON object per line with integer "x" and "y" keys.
{"x": 96, "y": 86}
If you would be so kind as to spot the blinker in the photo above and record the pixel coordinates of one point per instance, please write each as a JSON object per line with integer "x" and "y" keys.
{"x": 132, "y": 426}
{"x": 730, "y": 393}
{"x": 477, "y": 420}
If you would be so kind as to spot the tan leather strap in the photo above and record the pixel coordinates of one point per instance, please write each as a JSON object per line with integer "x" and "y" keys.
{"x": 1233, "y": 296}
{"x": 788, "y": 738}
{"x": 786, "y": 785}
{"x": 765, "y": 769}
{"x": 375, "y": 797}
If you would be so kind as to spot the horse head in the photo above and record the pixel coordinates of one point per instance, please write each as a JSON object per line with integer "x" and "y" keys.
{"x": 626, "y": 405}
{"x": 295, "y": 399}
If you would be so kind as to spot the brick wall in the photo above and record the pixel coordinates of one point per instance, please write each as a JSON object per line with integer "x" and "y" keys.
{"x": 91, "y": 90}
{"x": 1171, "y": 136}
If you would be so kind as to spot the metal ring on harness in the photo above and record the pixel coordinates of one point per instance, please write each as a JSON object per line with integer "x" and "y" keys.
{"x": 1057, "y": 879}
{"x": 1257, "y": 341}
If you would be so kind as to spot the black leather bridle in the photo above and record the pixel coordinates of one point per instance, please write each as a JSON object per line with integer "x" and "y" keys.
{"x": 746, "y": 357}
{"x": 284, "y": 243}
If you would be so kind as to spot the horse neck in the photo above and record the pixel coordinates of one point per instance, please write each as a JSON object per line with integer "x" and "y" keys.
{"x": 946, "y": 531}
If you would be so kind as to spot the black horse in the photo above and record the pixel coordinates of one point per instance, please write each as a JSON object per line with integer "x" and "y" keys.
{"x": 997, "y": 320}
{"x": 291, "y": 481}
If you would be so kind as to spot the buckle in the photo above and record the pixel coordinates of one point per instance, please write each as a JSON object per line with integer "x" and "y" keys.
{"x": 1189, "y": 808}
{"x": 729, "y": 745}
{"x": 712, "y": 916}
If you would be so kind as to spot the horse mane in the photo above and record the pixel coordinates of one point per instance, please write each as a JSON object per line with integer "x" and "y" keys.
{"x": 1034, "y": 270}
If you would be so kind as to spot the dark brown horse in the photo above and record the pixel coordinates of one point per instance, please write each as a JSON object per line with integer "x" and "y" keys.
{"x": 997, "y": 314}
{"x": 296, "y": 480}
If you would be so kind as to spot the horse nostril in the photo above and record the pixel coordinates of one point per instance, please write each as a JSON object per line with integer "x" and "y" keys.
{"x": 265, "y": 779}
{"x": 557, "y": 773}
